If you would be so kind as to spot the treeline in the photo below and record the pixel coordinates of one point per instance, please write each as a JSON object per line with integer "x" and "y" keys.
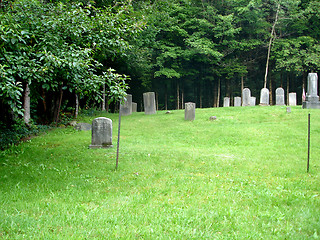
{"x": 63, "y": 52}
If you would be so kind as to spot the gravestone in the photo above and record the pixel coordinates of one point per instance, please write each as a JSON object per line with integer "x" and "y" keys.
{"x": 83, "y": 127}
{"x": 149, "y": 102}
{"x": 288, "y": 109}
{"x": 253, "y": 101}
{"x": 226, "y": 102}
{"x": 312, "y": 98}
{"x": 264, "y": 97}
{"x": 126, "y": 106}
{"x": 134, "y": 107}
{"x": 101, "y": 133}
{"x": 237, "y": 101}
{"x": 292, "y": 99}
{"x": 246, "y": 95}
{"x": 190, "y": 111}
{"x": 280, "y": 96}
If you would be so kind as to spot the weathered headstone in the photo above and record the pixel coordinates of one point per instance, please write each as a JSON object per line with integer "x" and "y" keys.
{"x": 292, "y": 99}
{"x": 312, "y": 98}
{"x": 126, "y": 106}
{"x": 237, "y": 101}
{"x": 288, "y": 109}
{"x": 190, "y": 111}
{"x": 101, "y": 133}
{"x": 149, "y": 102}
{"x": 264, "y": 97}
{"x": 83, "y": 127}
{"x": 134, "y": 107}
{"x": 226, "y": 102}
{"x": 280, "y": 96}
{"x": 246, "y": 95}
{"x": 253, "y": 101}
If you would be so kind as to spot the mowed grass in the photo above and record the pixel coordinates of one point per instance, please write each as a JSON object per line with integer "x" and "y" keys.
{"x": 242, "y": 176}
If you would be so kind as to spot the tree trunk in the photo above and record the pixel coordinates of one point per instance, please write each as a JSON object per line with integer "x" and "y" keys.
{"x": 218, "y": 95}
{"x": 288, "y": 86}
{"x": 178, "y": 95}
{"x": 58, "y": 104}
{"x": 166, "y": 97}
{"x": 103, "y": 107}
{"x": 270, "y": 44}
{"x": 182, "y": 98}
{"x": 76, "y": 112}
{"x": 271, "y": 92}
{"x": 26, "y": 104}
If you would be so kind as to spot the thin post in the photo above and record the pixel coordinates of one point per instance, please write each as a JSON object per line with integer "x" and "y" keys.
{"x": 308, "y": 142}
{"x": 117, "y": 161}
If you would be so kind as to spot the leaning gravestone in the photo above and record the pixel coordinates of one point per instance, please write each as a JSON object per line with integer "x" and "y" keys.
{"x": 246, "y": 95}
{"x": 292, "y": 99}
{"x": 312, "y": 98}
{"x": 264, "y": 97}
{"x": 126, "y": 106}
{"x": 226, "y": 102}
{"x": 149, "y": 102}
{"x": 253, "y": 101}
{"x": 280, "y": 96}
{"x": 190, "y": 111}
{"x": 101, "y": 133}
{"x": 237, "y": 101}
{"x": 134, "y": 107}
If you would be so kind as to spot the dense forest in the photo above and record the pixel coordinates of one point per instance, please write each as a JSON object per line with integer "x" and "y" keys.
{"x": 57, "y": 57}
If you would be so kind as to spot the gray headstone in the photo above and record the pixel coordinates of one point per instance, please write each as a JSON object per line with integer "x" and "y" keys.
{"x": 312, "y": 98}
{"x": 280, "y": 96}
{"x": 253, "y": 101}
{"x": 126, "y": 106}
{"x": 226, "y": 102}
{"x": 246, "y": 95}
{"x": 134, "y": 107}
{"x": 83, "y": 127}
{"x": 101, "y": 133}
{"x": 149, "y": 102}
{"x": 190, "y": 111}
{"x": 288, "y": 109}
{"x": 292, "y": 99}
{"x": 264, "y": 97}
{"x": 237, "y": 101}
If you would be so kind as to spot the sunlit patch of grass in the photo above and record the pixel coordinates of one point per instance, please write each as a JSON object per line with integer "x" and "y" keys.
{"x": 242, "y": 176}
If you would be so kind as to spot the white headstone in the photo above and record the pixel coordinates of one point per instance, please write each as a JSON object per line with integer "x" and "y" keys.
{"x": 292, "y": 99}
{"x": 237, "y": 101}
{"x": 280, "y": 96}
{"x": 134, "y": 107}
{"x": 226, "y": 102}
{"x": 149, "y": 101}
{"x": 264, "y": 97}
{"x": 126, "y": 106}
{"x": 190, "y": 111}
{"x": 246, "y": 95}
{"x": 253, "y": 101}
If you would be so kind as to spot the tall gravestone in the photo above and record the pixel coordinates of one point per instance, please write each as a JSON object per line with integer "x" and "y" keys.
{"x": 101, "y": 133}
{"x": 126, "y": 107}
{"x": 253, "y": 101}
{"x": 134, "y": 107}
{"x": 312, "y": 98}
{"x": 292, "y": 99}
{"x": 226, "y": 102}
{"x": 149, "y": 102}
{"x": 190, "y": 111}
{"x": 264, "y": 97}
{"x": 280, "y": 96}
{"x": 237, "y": 101}
{"x": 246, "y": 96}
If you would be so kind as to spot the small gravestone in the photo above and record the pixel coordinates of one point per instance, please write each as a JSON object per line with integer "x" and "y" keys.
{"x": 237, "y": 101}
{"x": 246, "y": 95}
{"x": 134, "y": 107}
{"x": 126, "y": 106}
{"x": 253, "y": 101}
{"x": 101, "y": 133}
{"x": 190, "y": 111}
{"x": 226, "y": 102}
{"x": 212, "y": 118}
{"x": 312, "y": 98}
{"x": 149, "y": 102}
{"x": 83, "y": 127}
{"x": 292, "y": 99}
{"x": 264, "y": 97}
{"x": 288, "y": 109}
{"x": 280, "y": 96}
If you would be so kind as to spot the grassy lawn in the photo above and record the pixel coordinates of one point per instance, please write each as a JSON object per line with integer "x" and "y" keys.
{"x": 242, "y": 176}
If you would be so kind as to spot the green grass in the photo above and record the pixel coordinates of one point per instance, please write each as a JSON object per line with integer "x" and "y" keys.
{"x": 242, "y": 176}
